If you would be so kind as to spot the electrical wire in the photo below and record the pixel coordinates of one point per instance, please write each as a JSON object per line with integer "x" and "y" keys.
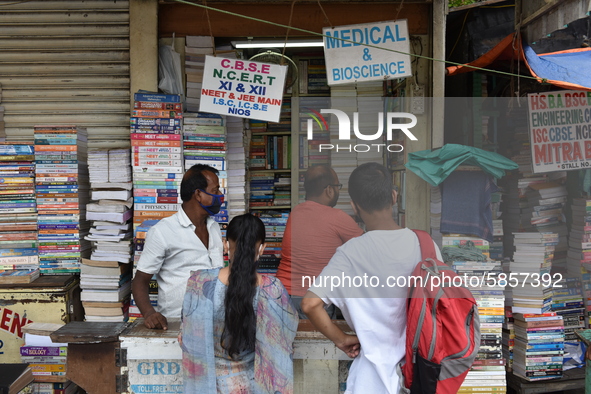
{"x": 543, "y": 80}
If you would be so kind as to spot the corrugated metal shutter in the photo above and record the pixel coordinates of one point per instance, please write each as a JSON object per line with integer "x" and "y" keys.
{"x": 65, "y": 62}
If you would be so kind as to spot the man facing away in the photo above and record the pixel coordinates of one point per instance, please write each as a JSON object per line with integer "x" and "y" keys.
{"x": 187, "y": 241}
{"x": 313, "y": 232}
{"x": 375, "y": 308}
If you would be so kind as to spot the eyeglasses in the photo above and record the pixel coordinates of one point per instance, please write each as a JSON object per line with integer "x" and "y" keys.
{"x": 338, "y": 185}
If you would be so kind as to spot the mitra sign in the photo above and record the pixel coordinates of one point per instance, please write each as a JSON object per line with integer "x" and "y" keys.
{"x": 367, "y": 52}
{"x": 242, "y": 88}
{"x": 560, "y": 130}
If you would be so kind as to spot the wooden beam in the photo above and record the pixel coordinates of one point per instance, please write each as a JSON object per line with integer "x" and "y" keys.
{"x": 473, "y": 5}
{"x": 183, "y": 19}
{"x": 540, "y": 12}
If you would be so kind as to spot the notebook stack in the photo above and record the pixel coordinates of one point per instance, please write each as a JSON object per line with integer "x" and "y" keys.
{"x": 532, "y": 265}
{"x": 62, "y": 194}
{"x": 110, "y": 209}
{"x": 19, "y": 260}
{"x": 106, "y": 287}
{"x": 196, "y": 48}
{"x": 156, "y": 141}
{"x": 139, "y": 239}
{"x": 579, "y": 251}
{"x": 275, "y": 223}
{"x": 539, "y": 346}
{"x": 236, "y": 166}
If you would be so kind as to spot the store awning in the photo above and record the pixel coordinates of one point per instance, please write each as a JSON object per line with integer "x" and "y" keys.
{"x": 566, "y": 69}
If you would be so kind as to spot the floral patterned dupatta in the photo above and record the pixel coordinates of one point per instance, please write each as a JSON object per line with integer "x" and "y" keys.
{"x": 277, "y": 322}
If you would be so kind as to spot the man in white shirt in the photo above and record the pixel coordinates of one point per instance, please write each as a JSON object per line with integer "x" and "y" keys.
{"x": 187, "y": 241}
{"x": 372, "y": 301}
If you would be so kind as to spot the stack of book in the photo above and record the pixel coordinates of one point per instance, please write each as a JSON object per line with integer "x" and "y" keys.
{"x": 110, "y": 209}
{"x": 46, "y": 358}
{"x": 482, "y": 279}
{"x": 282, "y": 190}
{"x": 67, "y": 387}
{"x": 343, "y": 161}
{"x": 261, "y": 190}
{"x": 532, "y": 264}
{"x": 236, "y": 166}
{"x": 369, "y": 101}
{"x": 61, "y": 178}
{"x": 270, "y": 152}
{"x": 579, "y": 251}
{"x": 545, "y": 209}
{"x": 139, "y": 239}
{"x": 539, "y": 346}
{"x": 204, "y": 140}
{"x": 196, "y": 48}
{"x": 567, "y": 301}
{"x": 310, "y": 152}
{"x": 496, "y": 246}
{"x": 508, "y": 337}
{"x": 19, "y": 260}
{"x": 156, "y": 134}
{"x": 275, "y": 223}
{"x": 312, "y": 76}
{"x": 106, "y": 288}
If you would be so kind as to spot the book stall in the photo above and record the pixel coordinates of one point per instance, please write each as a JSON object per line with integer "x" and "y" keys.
{"x": 509, "y": 210}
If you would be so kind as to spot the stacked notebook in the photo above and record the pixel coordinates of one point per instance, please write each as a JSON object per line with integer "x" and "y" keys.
{"x": 61, "y": 173}
{"x": 106, "y": 288}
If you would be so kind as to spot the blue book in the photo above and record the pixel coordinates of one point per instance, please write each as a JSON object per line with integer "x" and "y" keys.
{"x": 157, "y": 97}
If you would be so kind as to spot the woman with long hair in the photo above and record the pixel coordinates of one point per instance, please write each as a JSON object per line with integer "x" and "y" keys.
{"x": 238, "y": 326}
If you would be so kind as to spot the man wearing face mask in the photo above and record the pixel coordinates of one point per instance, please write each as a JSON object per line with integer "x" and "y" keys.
{"x": 187, "y": 241}
{"x": 314, "y": 231}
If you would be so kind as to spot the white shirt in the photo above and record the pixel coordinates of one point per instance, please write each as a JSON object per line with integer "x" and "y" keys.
{"x": 172, "y": 250}
{"x": 376, "y": 314}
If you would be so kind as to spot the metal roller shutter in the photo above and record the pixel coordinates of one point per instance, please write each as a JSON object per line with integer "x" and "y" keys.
{"x": 65, "y": 62}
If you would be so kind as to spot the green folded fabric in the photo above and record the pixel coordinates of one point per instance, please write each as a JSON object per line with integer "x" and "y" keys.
{"x": 434, "y": 166}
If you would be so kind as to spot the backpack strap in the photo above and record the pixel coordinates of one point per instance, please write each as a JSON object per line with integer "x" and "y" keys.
{"x": 427, "y": 247}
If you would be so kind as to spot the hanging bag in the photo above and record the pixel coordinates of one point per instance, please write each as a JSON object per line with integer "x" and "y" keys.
{"x": 442, "y": 331}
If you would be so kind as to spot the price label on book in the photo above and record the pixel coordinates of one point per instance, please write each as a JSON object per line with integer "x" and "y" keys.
{"x": 242, "y": 88}
{"x": 367, "y": 52}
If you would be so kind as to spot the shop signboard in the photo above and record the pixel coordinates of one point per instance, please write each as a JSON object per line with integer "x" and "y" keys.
{"x": 560, "y": 130}
{"x": 242, "y": 88}
{"x": 367, "y": 52}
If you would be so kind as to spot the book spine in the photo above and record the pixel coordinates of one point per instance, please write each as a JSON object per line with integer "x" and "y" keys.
{"x": 155, "y": 113}
{"x": 43, "y": 351}
{"x": 158, "y": 105}
{"x": 155, "y": 97}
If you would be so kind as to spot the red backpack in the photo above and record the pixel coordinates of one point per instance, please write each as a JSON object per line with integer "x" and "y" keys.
{"x": 442, "y": 329}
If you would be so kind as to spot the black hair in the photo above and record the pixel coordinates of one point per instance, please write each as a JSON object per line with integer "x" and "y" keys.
{"x": 195, "y": 180}
{"x": 370, "y": 187}
{"x": 240, "y": 320}
{"x": 316, "y": 179}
